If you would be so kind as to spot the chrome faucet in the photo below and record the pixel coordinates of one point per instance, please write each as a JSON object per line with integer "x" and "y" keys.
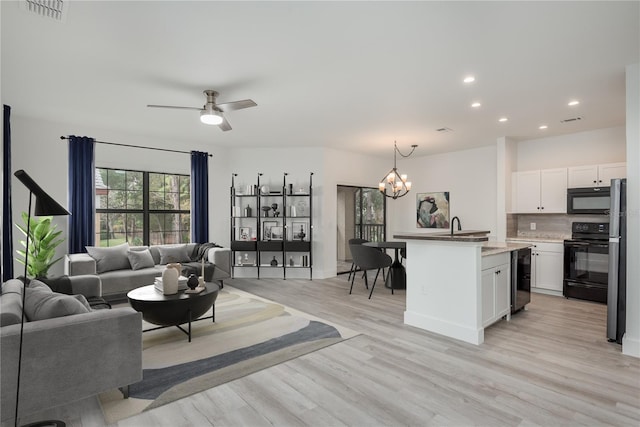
{"x": 459, "y": 226}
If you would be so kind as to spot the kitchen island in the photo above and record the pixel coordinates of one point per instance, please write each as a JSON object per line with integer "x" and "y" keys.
{"x": 457, "y": 284}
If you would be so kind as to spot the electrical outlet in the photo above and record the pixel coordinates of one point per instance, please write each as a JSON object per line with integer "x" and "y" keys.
{"x": 532, "y": 226}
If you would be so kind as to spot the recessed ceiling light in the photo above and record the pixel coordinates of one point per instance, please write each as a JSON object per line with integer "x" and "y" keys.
{"x": 574, "y": 102}
{"x": 543, "y": 127}
{"x": 476, "y": 104}
{"x": 469, "y": 79}
{"x": 502, "y": 119}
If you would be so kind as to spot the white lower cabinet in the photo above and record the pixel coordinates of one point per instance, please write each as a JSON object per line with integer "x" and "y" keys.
{"x": 547, "y": 267}
{"x": 496, "y": 287}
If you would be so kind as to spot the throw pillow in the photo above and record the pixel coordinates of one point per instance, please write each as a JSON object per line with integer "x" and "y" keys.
{"x": 109, "y": 259}
{"x": 140, "y": 259}
{"x": 169, "y": 254}
{"x": 41, "y": 304}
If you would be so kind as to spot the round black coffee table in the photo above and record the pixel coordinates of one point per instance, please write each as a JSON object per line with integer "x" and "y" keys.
{"x": 173, "y": 310}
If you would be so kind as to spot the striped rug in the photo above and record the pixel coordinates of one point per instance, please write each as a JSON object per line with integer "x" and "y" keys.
{"x": 250, "y": 333}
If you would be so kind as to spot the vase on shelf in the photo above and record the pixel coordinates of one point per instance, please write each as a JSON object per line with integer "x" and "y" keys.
{"x": 247, "y": 211}
{"x": 290, "y": 261}
{"x": 274, "y": 262}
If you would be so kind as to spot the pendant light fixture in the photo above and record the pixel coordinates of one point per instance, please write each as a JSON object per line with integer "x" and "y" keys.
{"x": 393, "y": 184}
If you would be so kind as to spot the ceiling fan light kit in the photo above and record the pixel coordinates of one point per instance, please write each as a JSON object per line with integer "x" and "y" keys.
{"x": 211, "y": 117}
{"x": 211, "y": 112}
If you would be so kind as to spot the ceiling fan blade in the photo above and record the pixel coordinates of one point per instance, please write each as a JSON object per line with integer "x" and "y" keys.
{"x": 175, "y": 107}
{"x": 225, "y": 126}
{"x": 236, "y": 105}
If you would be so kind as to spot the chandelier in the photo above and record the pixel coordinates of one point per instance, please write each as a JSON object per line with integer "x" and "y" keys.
{"x": 393, "y": 184}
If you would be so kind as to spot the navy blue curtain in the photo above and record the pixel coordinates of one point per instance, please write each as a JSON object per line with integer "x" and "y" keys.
{"x": 81, "y": 193}
{"x": 7, "y": 227}
{"x": 199, "y": 197}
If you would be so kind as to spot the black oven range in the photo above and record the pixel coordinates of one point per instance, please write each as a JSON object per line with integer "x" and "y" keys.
{"x": 586, "y": 262}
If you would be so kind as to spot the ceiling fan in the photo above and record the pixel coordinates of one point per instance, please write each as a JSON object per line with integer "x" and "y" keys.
{"x": 211, "y": 112}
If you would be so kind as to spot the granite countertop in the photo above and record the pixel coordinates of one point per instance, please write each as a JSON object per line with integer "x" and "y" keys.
{"x": 457, "y": 236}
{"x": 493, "y": 248}
{"x": 542, "y": 239}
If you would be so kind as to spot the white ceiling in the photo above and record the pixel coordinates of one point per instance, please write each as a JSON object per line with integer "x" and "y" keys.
{"x": 349, "y": 75}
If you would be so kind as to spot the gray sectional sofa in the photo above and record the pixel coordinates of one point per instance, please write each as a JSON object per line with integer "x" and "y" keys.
{"x": 123, "y": 268}
{"x": 66, "y": 357}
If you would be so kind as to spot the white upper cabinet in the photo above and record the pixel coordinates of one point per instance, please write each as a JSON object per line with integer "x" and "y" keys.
{"x": 596, "y": 175}
{"x": 541, "y": 191}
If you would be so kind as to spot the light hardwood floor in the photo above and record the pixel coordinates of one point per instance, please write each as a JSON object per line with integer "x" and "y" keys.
{"x": 550, "y": 365}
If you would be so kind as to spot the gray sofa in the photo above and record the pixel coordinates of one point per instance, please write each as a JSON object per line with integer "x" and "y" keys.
{"x": 65, "y": 359}
{"x": 121, "y": 278}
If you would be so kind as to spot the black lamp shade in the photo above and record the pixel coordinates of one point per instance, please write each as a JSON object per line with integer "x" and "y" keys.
{"x": 45, "y": 205}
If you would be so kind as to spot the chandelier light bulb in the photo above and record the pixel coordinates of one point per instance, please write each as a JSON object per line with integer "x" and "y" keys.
{"x": 408, "y": 185}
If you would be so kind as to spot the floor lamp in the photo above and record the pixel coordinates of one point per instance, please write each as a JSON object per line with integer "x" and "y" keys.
{"x": 45, "y": 206}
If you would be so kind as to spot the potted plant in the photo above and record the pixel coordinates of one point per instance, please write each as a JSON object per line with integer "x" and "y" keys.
{"x": 43, "y": 241}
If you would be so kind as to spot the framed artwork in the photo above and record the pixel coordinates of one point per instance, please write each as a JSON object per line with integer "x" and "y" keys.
{"x": 299, "y": 231}
{"x": 432, "y": 210}
{"x": 301, "y": 208}
{"x": 244, "y": 233}
{"x": 276, "y": 232}
{"x": 266, "y": 229}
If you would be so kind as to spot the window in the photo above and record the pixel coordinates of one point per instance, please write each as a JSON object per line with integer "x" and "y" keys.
{"x": 142, "y": 208}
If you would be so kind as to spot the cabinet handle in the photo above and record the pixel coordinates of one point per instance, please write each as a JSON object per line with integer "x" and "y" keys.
{"x": 595, "y": 182}
{"x": 538, "y": 208}
{"x": 542, "y": 207}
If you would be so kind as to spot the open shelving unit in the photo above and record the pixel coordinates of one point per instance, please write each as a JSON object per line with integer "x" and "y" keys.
{"x": 271, "y": 228}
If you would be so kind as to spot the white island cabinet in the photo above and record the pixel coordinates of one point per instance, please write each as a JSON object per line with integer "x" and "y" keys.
{"x": 445, "y": 289}
{"x": 496, "y": 287}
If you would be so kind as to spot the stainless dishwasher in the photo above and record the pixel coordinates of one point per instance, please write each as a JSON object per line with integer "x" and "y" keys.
{"x": 520, "y": 279}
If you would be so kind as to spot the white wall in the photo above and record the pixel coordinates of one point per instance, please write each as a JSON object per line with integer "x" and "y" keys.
{"x": 37, "y": 148}
{"x": 576, "y": 149}
{"x": 470, "y": 177}
{"x": 631, "y": 339}
{"x": 344, "y": 168}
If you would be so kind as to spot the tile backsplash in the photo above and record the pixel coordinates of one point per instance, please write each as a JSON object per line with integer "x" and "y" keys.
{"x": 547, "y": 225}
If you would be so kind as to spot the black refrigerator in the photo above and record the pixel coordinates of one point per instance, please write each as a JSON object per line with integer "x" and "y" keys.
{"x": 617, "y": 282}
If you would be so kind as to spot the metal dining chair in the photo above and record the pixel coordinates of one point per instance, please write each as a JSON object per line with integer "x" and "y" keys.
{"x": 355, "y": 241}
{"x": 368, "y": 258}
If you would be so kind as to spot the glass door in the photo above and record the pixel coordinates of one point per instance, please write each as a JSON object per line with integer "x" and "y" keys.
{"x": 361, "y": 213}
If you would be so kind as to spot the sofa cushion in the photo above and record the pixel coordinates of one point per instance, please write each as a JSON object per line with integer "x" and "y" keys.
{"x": 169, "y": 254}
{"x": 41, "y": 303}
{"x": 140, "y": 259}
{"x": 11, "y": 302}
{"x": 111, "y": 258}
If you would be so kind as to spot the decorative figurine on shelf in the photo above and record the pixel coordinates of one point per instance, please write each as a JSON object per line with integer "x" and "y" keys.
{"x": 192, "y": 281}
{"x": 290, "y": 261}
{"x": 266, "y": 210}
{"x": 246, "y": 258}
{"x": 239, "y": 259}
{"x": 274, "y": 206}
{"x": 274, "y": 262}
{"x": 301, "y": 234}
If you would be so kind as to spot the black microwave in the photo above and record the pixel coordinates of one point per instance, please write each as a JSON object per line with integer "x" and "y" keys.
{"x": 595, "y": 200}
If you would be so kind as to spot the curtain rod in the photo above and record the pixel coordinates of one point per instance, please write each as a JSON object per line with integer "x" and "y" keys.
{"x": 140, "y": 146}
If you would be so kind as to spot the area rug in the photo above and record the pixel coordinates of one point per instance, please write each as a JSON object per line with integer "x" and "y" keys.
{"x": 250, "y": 333}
